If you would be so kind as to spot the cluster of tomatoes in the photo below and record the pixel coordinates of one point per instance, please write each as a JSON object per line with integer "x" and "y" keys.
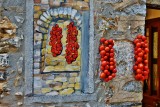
{"x": 72, "y": 43}
{"x": 141, "y": 63}
{"x": 108, "y": 63}
{"x": 55, "y": 40}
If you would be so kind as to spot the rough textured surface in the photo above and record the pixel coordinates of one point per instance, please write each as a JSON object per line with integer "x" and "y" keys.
{"x": 120, "y": 20}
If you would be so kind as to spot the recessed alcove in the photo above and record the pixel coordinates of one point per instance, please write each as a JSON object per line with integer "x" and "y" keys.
{"x": 53, "y": 79}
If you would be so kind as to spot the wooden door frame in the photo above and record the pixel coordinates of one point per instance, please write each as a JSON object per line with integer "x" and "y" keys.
{"x": 148, "y": 22}
{"x": 147, "y": 95}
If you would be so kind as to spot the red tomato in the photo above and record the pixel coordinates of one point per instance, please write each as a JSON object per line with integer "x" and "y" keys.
{"x": 107, "y": 54}
{"x": 104, "y": 63}
{"x": 143, "y": 38}
{"x": 146, "y": 61}
{"x": 110, "y": 46}
{"x": 111, "y": 55}
{"x": 107, "y": 49}
{"x": 111, "y": 67}
{"x": 111, "y": 50}
{"x": 139, "y": 76}
{"x": 106, "y": 67}
{"x": 139, "y": 49}
{"x": 142, "y": 43}
{"x": 136, "y": 62}
{"x": 135, "y": 67}
{"x": 142, "y": 78}
{"x": 135, "y": 52}
{"x": 145, "y": 41}
{"x": 110, "y": 41}
{"x": 140, "y": 66}
{"x": 146, "y": 50}
{"x": 139, "y": 71}
{"x": 145, "y": 45}
{"x": 105, "y": 57}
{"x": 106, "y": 72}
{"x": 145, "y": 56}
{"x": 102, "y": 68}
{"x": 139, "y": 59}
{"x": 140, "y": 54}
{"x": 114, "y": 71}
{"x": 102, "y": 75}
{"x": 138, "y": 45}
{"x": 101, "y": 48}
{"x": 111, "y": 59}
{"x": 102, "y": 40}
{"x": 111, "y": 63}
{"x": 136, "y": 41}
{"x": 106, "y": 42}
{"x": 113, "y": 75}
{"x": 102, "y": 59}
{"x": 110, "y": 77}
{"x": 145, "y": 68}
{"x": 145, "y": 73}
{"x": 139, "y": 36}
{"x": 106, "y": 79}
{"x": 102, "y": 53}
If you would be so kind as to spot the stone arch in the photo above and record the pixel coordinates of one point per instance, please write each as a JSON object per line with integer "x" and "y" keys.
{"x": 44, "y": 23}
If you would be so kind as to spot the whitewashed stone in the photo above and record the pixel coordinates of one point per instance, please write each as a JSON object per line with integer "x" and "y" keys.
{"x": 39, "y": 22}
{"x": 69, "y": 11}
{"x": 73, "y": 13}
{"x": 43, "y": 18}
{"x": 55, "y": 13}
{"x": 47, "y": 15}
{"x": 38, "y": 36}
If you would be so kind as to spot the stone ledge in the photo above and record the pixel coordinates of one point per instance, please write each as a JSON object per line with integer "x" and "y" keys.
{"x": 127, "y": 104}
{"x": 60, "y": 99}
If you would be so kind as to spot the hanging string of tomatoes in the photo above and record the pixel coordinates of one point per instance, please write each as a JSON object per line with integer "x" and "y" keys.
{"x": 141, "y": 50}
{"x": 72, "y": 43}
{"x": 108, "y": 63}
{"x": 55, "y": 40}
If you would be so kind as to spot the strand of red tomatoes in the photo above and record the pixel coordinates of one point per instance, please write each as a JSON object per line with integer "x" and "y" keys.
{"x": 72, "y": 43}
{"x": 141, "y": 50}
{"x": 55, "y": 40}
{"x": 108, "y": 63}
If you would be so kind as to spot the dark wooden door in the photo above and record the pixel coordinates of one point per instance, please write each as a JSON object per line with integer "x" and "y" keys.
{"x": 151, "y": 95}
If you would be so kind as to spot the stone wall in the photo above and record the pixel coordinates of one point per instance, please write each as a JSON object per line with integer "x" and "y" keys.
{"x": 120, "y": 20}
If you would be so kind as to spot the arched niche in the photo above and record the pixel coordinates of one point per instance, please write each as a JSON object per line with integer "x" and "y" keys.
{"x": 61, "y": 16}
{"x": 87, "y": 64}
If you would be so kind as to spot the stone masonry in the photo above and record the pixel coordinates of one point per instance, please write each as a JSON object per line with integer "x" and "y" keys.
{"x": 120, "y": 20}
